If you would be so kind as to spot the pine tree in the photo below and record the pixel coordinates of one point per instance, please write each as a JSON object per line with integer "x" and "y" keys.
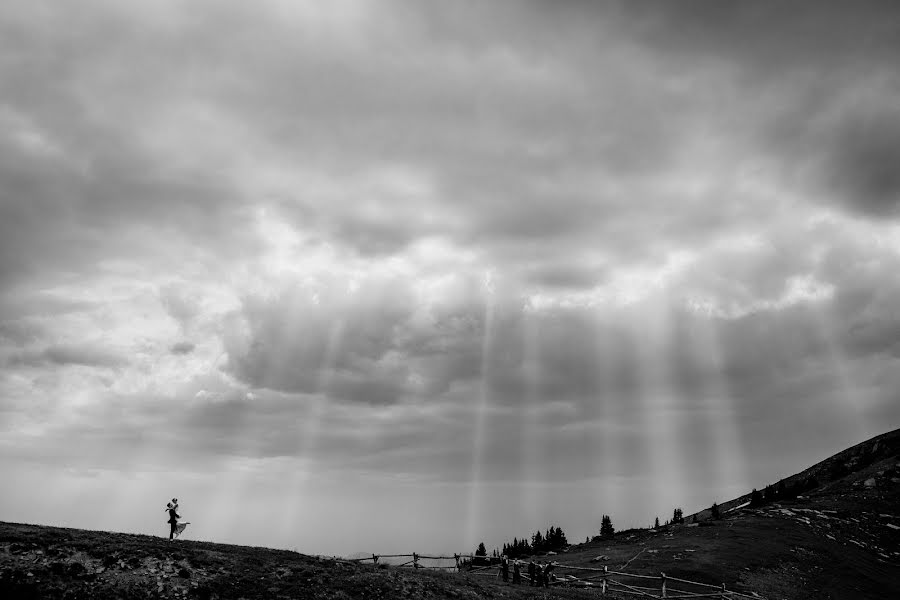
{"x": 756, "y": 499}
{"x": 559, "y": 539}
{"x": 606, "y": 527}
{"x": 715, "y": 512}
{"x": 656, "y": 523}
{"x": 677, "y": 516}
{"x": 482, "y": 551}
{"x": 537, "y": 541}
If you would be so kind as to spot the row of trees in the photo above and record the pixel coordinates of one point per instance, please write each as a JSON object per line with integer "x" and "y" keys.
{"x": 555, "y": 539}
{"x": 552, "y": 539}
{"x": 677, "y": 519}
{"x": 782, "y": 491}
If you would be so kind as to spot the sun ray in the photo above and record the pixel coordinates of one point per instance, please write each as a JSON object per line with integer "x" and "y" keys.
{"x": 719, "y": 413}
{"x": 308, "y": 435}
{"x": 601, "y": 442}
{"x": 530, "y": 442}
{"x": 475, "y": 510}
{"x": 660, "y": 415}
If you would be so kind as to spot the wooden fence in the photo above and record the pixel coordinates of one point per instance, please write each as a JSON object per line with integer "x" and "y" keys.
{"x": 601, "y": 579}
{"x": 415, "y": 559}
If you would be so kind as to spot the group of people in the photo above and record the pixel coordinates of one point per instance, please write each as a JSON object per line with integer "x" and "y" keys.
{"x": 175, "y": 528}
{"x": 538, "y": 574}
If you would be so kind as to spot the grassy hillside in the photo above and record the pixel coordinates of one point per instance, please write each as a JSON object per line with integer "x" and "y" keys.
{"x": 53, "y": 562}
{"x": 840, "y": 540}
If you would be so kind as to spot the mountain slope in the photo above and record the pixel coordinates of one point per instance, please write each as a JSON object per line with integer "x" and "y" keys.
{"x": 839, "y": 538}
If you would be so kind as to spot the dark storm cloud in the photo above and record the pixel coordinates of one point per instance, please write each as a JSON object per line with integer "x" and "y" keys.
{"x": 769, "y": 36}
{"x": 516, "y": 161}
{"x": 182, "y": 348}
{"x": 862, "y": 162}
{"x": 320, "y": 107}
{"x": 823, "y": 75}
{"x": 88, "y": 185}
{"x": 20, "y": 333}
{"x": 332, "y": 342}
{"x": 864, "y": 311}
{"x": 566, "y": 276}
{"x": 70, "y": 354}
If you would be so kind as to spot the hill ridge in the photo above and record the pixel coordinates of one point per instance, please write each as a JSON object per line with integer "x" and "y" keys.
{"x": 891, "y": 446}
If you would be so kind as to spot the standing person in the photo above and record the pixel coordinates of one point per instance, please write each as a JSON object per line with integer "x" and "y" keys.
{"x": 531, "y": 572}
{"x": 517, "y": 573}
{"x": 173, "y": 519}
{"x": 548, "y": 569}
{"x": 504, "y": 568}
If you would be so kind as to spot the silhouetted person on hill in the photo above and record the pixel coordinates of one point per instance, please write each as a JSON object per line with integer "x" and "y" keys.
{"x": 173, "y": 518}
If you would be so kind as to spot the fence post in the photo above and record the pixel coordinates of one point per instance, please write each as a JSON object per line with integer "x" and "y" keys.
{"x": 415, "y": 560}
{"x": 605, "y": 577}
{"x": 456, "y": 558}
{"x": 724, "y": 594}
{"x": 374, "y": 561}
{"x": 663, "y": 575}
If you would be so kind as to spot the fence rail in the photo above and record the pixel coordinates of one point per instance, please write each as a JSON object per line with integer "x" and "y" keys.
{"x": 607, "y": 579}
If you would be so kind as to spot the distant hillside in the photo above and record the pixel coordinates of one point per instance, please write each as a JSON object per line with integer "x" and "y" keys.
{"x": 852, "y": 467}
{"x": 839, "y": 540}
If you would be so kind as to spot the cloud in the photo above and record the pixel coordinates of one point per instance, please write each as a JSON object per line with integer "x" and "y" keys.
{"x": 182, "y": 348}
{"x": 331, "y": 339}
{"x": 447, "y": 241}
{"x": 71, "y": 354}
{"x": 861, "y": 162}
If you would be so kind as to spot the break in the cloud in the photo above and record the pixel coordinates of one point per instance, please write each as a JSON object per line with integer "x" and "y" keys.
{"x": 562, "y": 258}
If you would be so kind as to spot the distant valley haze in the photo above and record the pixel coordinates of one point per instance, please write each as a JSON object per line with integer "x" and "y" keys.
{"x": 406, "y": 276}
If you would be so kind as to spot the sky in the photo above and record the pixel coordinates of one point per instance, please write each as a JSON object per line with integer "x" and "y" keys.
{"x": 398, "y": 276}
